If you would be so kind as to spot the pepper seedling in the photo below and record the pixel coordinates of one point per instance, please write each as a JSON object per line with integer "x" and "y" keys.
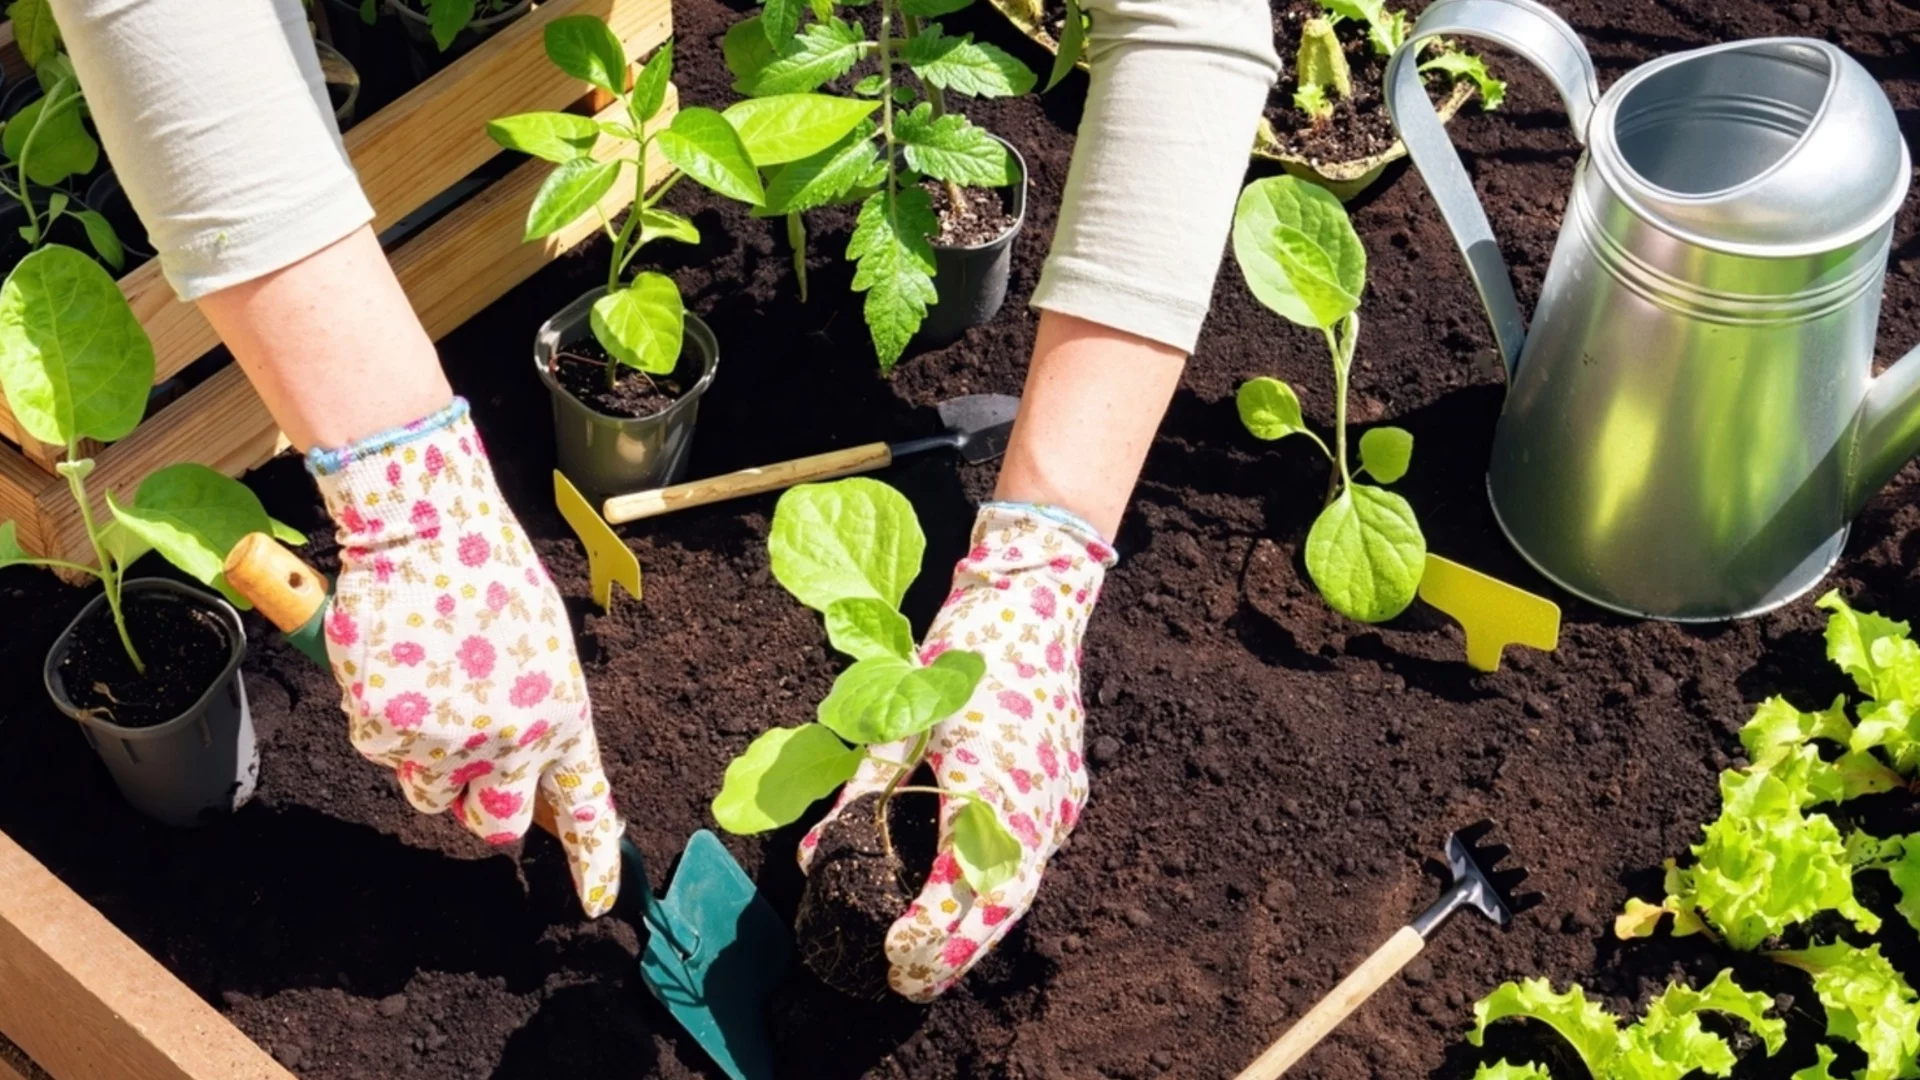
{"x": 848, "y": 550}
{"x": 1325, "y": 77}
{"x": 1302, "y": 259}
{"x": 75, "y": 364}
{"x": 641, "y": 322}
{"x": 879, "y": 166}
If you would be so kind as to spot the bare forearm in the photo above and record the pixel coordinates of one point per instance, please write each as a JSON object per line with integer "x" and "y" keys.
{"x": 332, "y": 345}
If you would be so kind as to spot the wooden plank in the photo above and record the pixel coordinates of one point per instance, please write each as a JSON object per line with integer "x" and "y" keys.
{"x": 12, "y": 63}
{"x": 465, "y": 261}
{"x": 89, "y": 1004}
{"x": 416, "y": 148}
{"x": 21, "y": 484}
{"x": 16, "y": 1065}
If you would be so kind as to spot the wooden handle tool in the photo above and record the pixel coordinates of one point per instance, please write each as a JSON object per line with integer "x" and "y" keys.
{"x": 621, "y": 509}
{"x": 1476, "y": 885}
{"x": 293, "y": 595}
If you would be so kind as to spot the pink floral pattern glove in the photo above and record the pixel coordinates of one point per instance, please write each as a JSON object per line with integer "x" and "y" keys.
{"x": 454, "y": 649}
{"x": 1020, "y": 599}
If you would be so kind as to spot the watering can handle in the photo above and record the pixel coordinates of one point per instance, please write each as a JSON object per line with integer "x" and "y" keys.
{"x": 1532, "y": 31}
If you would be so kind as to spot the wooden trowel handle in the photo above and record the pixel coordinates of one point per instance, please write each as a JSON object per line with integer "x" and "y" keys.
{"x": 645, "y": 504}
{"x": 1352, "y": 992}
{"x": 289, "y": 592}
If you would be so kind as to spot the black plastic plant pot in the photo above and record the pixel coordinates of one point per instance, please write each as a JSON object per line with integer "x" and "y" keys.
{"x": 972, "y": 281}
{"x": 106, "y": 196}
{"x": 197, "y": 766}
{"x": 612, "y": 455}
{"x": 420, "y": 31}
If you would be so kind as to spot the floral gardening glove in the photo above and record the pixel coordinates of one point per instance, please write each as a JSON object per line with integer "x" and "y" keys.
{"x": 1020, "y": 599}
{"x": 453, "y": 646}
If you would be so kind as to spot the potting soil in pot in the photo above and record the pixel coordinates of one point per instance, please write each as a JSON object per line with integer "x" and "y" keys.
{"x": 185, "y": 648}
{"x": 582, "y": 370}
{"x": 983, "y": 219}
{"x": 1269, "y": 781}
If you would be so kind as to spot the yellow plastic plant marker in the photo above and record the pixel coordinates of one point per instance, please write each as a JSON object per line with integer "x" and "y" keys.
{"x": 1493, "y": 613}
{"x": 608, "y": 557}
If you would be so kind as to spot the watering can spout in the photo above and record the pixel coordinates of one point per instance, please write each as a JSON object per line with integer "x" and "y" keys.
{"x": 1889, "y": 430}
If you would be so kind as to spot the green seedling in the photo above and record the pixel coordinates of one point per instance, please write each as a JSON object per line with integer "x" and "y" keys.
{"x": 1324, "y": 76}
{"x": 47, "y": 142}
{"x": 75, "y": 364}
{"x": 641, "y": 320}
{"x": 1302, "y": 259}
{"x": 1868, "y": 1004}
{"x": 1668, "y": 1043}
{"x": 879, "y": 166}
{"x": 848, "y": 550}
{"x": 446, "y": 18}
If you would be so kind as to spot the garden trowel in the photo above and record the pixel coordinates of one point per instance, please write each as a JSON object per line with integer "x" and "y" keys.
{"x": 714, "y": 950}
{"x": 977, "y": 426}
{"x": 1476, "y": 886}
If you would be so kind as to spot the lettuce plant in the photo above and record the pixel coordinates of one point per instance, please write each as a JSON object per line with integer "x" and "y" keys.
{"x": 75, "y": 365}
{"x": 848, "y": 550}
{"x": 878, "y": 166}
{"x": 1302, "y": 259}
{"x": 1667, "y": 1043}
{"x": 1323, "y": 75}
{"x": 1868, "y": 1004}
{"x": 641, "y": 321}
{"x": 47, "y": 142}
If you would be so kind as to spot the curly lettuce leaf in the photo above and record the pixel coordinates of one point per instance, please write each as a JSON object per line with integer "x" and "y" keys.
{"x": 1592, "y": 1031}
{"x": 1868, "y": 1004}
{"x": 1668, "y": 1043}
{"x": 1503, "y": 1070}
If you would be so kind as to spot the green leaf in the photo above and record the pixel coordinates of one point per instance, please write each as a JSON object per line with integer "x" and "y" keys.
{"x": 789, "y": 127}
{"x": 1269, "y": 409}
{"x": 61, "y": 149}
{"x": 369, "y": 11}
{"x": 1073, "y": 44}
{"x": 1503, "y": 1070}
{"x": 933, "y": 9}
{"x": 657, "y": 224}
{"x": 870, "y": 86}
{"x": 642, "y": 324}
{"x": 951, "y": 148}
{"x": 885, "y": 698}
{"x": 1900, "y": 858}
{"x": 1867, "y": 1003}
{"x": 551, "y": 136}
{"x": 780, "y": 19}
{"x": 1819, "y": 1070}
{"x": 1312, "y": 99}
{"x": 988, "y": 854}
{"x": 895, "y": 267}
{"x": 34, "y": 31}
{"x": 585, "y": 47}
{"x": 1386, "y": 452}
{"x": 650, "y": 87}
{"x": 1365, "y": 552}
{"x": 826, "y": 177}
{"x": 193, "y": 516}
{"x": 780, "y": 775}
{"x": 864, "y": 627}
{"x": 854, "y": 538}
{"x": 1778, "y": 729}
{"x": 10, "y": 550}
{"x": 1462, "y": 65}
{"x": 1723, "y": 996}
{"x": 1870, "y": 649}
{"x": 446, "y": 18}
{"x": 1298, "y": 251}
{"x": 746, "y": 48}
{"x": 285, "y": 533}
{"x": 101, "y": 237}
{"x": 825, "y": 51}
{"x": 1587, "y": 1026}
{"x": 572, "y": 190}
{"x": 74, "y": 362}
{"x": 703, "y": 145}
{"x": 965, "y": 66}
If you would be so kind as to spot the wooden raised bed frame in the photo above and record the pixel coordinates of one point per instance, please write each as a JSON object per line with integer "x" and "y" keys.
{"x": 406, "y": 154}
{"x": 79, "y": 1000}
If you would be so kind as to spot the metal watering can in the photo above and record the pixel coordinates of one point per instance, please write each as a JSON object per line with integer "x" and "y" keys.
{"x": 1692, "y": 420}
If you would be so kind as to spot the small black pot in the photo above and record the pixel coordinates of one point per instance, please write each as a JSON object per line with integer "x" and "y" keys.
{"x": 201, "y": 763}
{"x": 612, "y": 455}
{"x": 420, "y": 32}
{"x": 106, "y": 196}
{"x": 972, "y": 281}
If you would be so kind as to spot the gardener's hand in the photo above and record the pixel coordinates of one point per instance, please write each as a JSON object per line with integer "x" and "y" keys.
{"x": 454, "y": 650}
{"x": 1020, "y": 599}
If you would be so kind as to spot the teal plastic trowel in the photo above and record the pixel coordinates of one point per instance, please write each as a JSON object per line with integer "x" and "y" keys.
{"x": 714, "y": 950}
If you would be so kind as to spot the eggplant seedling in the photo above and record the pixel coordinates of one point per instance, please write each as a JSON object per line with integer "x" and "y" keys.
{"x": 47, "y": 143}
{"x": 75, "y": 364}
{"x": 1302, "y": 259}
{"x": 848, "y": 550}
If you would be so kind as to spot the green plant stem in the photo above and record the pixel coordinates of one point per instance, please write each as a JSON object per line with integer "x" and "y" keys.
{"x": 886, "y": 99}
{"x": 57, "y": 564}
{"x": 893, "y": 785}
{"x": 797, "y": 238}
{"x": 26, "y": 154}
{"x": 963, "y": 796}
{"x": 1341, "y": 341}
{"x": 109, "y": 572}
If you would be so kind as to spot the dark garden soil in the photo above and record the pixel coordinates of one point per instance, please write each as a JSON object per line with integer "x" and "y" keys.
{"x": 1359, "y": 127}
{"x": 1271, "y": 782}
{"x": 185, "y": 648}
{"x": 982, "y": 217}
{"x": 582, "y": 370}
